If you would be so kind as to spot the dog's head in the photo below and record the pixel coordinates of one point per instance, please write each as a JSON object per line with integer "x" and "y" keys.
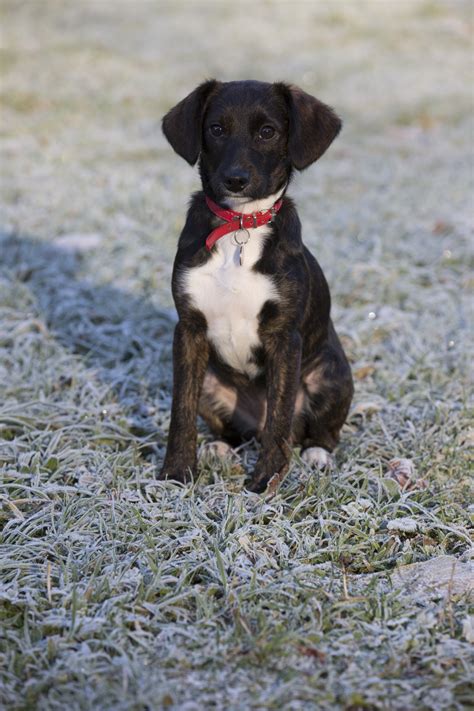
{"x": 249, "y": 135}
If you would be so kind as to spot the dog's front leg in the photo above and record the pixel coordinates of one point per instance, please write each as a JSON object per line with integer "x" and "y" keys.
{"x": 283, "y": 357}
{"x": 190, "y": 357}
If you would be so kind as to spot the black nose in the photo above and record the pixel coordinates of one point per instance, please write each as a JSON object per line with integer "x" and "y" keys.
{"x": 236, "y": 180}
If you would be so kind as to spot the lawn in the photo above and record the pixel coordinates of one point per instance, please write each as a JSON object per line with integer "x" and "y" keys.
{"x": 120, "y": 592}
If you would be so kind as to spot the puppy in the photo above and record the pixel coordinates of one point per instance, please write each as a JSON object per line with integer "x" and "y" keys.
{"x": 255, "y": 352}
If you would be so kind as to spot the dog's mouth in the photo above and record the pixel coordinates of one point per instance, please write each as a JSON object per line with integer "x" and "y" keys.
{"x": 242, "y": 197}
{"x": 246, "y": 193}
{"x": 238, "y": 201}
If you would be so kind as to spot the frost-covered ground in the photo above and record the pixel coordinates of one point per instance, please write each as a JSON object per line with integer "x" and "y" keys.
{"x": 118, "y": 592}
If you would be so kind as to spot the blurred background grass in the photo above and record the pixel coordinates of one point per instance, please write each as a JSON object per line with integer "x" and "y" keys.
{"x": 84, "y": 85}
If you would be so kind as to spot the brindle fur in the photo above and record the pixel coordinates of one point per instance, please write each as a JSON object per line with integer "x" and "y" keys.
{"x": 304, "y": 387}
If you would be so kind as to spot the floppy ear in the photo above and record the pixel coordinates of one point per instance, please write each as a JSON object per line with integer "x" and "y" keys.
{"x": 182, "y": 125}
{"x": 313, "y": 127}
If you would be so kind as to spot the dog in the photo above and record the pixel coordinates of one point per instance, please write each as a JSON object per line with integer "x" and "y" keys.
{"x": 255, "y": 352}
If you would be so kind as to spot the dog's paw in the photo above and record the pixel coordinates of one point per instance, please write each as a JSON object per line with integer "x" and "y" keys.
{"x": 317, "y": 457}
{"x": 219, "y": 449}
{"x": 256, "y": 486}
{"x": 181, "y": 475}
{"x": 268, "y": 474}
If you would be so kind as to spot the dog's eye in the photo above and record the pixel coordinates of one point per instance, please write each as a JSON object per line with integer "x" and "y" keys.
{"x": 266, "y": 132}
{"x": 216, "y": 130}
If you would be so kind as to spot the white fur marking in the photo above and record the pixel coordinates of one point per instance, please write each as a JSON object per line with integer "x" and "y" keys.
{"x": 231, "y": 296}
{"x": 219, "y": 449}
{"x": 317, "y": 457}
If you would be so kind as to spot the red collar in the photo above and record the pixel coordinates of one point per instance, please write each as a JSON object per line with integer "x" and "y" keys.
{"x": 235, "y": 221}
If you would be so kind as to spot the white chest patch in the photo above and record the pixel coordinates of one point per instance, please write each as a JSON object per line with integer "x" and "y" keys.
{"x": 231, "y": 297}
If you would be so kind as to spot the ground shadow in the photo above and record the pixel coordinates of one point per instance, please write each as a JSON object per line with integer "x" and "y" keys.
{"x": 125, "y": 338}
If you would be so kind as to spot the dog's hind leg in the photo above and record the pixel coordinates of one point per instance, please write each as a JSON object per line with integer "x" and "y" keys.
{"x": 219, "y": 407}
{"x": 216, "y": 406}
{"x": 233, "y": 414}
{"x": 328, "y": 391}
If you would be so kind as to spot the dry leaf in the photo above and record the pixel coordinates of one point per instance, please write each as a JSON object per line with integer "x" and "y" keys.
{"x": 364, "y": 371}
{"x": 274, "y": 483}
{"x": 441, "y": 227}
{"x": 404, "y": 473}
{"x": 312, "y": 652}
{"x": 367, "y": 408}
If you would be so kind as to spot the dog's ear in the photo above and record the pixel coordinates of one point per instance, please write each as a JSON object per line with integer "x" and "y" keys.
{"x": 182, "y": 125}
{"x": 313, "y": 126}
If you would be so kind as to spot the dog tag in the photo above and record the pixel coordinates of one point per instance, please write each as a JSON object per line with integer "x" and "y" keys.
{"x": 241, "y": 242}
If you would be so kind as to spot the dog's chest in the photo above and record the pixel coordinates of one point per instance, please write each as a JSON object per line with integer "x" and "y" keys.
{"x": 231, "y": 297}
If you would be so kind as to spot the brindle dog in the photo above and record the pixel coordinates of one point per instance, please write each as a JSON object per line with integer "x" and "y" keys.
{"x": 255, "y": 352}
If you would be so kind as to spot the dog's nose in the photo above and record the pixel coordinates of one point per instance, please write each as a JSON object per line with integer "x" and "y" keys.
{"x": 236, "y": 180}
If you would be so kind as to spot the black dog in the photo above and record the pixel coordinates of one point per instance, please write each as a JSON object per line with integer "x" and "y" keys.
{"x": 255, "y": 351}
